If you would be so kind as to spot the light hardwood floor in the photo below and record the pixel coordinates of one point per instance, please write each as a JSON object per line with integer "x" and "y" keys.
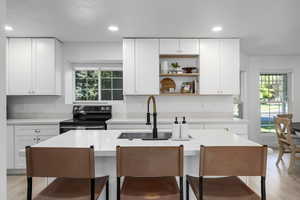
{"x": 280, "y": 184}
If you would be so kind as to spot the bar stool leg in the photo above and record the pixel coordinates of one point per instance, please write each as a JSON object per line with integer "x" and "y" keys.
{"x": 107, "y": 190}
{"x": 187, "y": 190}
{"x": 118, "y": 188}
{"x": 181, "y": 187}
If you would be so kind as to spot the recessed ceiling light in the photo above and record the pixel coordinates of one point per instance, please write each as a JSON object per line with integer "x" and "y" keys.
{"x": 217, "y": 29}
{"x": 8, "y": 28}
{"x": 113, "y": 28}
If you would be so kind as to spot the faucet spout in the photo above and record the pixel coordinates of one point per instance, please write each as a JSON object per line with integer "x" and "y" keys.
{"x": 154, "y": 131}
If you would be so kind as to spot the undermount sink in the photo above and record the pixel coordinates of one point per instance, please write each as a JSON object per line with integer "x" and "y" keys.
{"x": 145, "y": 136}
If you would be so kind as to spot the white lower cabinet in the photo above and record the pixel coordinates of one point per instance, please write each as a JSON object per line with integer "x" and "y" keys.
{"x": 27, "y": 135}
{"x": 10, "y": 157}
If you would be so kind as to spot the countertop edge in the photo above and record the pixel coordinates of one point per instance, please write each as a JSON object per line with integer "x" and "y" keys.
{"x": 34, "y": 121}
{"x": 169, "y": 121}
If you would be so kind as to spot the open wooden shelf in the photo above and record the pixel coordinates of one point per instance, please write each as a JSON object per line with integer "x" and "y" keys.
{"x": 184, "y": 74}
{"x": 178, "y": 94}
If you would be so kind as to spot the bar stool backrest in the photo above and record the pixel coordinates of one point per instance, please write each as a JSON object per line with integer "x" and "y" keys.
{"x": 233, "y": 161}
{"x": 289, "y": 116}
{"x": 283, "y": 128}
{"x": 149, "y": 161}
{"x": 60, "y": 162}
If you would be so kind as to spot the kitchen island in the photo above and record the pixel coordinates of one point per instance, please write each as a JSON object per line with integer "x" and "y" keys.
{"x": 105, "y": 143}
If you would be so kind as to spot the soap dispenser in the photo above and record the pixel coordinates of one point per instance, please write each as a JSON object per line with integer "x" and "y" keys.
{"x": 184, "y": 129}
{"x": 176, "y": 129}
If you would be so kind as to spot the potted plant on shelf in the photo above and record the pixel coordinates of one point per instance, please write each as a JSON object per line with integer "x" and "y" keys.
{"x": 176, "y": 67}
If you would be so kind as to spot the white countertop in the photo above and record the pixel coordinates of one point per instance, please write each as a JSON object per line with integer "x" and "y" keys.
{"x": 105, "y": 142}
{"x": 168, "y": 121}
{"x": 37, "y": 121}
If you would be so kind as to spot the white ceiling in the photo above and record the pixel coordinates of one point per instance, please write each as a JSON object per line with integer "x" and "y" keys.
{"x": 266, "y": 27}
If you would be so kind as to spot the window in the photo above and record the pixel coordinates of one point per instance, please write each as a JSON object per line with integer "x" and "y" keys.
{"x": 98, "y": 84}
{"x": 87, "y": 85}
{"x": 273, "y": 99}
{"x": 112, "y": 85}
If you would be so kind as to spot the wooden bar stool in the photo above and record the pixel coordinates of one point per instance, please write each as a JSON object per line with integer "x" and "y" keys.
{"x": 230, "y": 162}
{"x": 150, "y": 173}
{"x": 73, "y": 168}
{"x": 286, "y": 142}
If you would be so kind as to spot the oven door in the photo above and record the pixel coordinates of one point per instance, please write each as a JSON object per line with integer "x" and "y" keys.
{"x": 66, "y": 128}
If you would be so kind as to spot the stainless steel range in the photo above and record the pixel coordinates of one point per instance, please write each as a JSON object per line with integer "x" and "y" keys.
{"x": 87, "y": 118}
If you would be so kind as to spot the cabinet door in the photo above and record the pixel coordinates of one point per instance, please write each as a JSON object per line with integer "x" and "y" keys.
{"x": 230, "y": 70}
{"x": 129, "y": 66}
{"x": 21, "y": 141}
{"x": 189, "y": 46}
{"x": 209, "y": 67}
{"x": 44, "y": 66}
{"x": 10, "y": 147}
{"x": 147, "y": 66}
{"x": 42, "y": 138}
{"x": 19, "y": 66}
{"x": 169, "y": 46}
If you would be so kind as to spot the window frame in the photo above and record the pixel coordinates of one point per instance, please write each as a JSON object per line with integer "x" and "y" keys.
{"x": 99, "y": 68}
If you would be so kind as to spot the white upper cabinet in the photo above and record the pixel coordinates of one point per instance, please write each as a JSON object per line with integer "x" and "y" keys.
{"x": 19, "y": 68}
{"x": 189, "y": 46}
{"x": 230, "y": 69}
{"x": 219, "y": 66}
{"x": 141, "y": 66}
{"x": 147, "y": 66}
{"x": 129, "y": 66}
{"x": 34, "y": 66}
{"x": 169, "y": 46}
{"x": 44, "y": 73}
{"x": 209, "y": 67}
{"x": 179, "y": 46}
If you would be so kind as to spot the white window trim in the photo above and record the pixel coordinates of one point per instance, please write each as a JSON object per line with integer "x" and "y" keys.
{"x": 99, "y": 67}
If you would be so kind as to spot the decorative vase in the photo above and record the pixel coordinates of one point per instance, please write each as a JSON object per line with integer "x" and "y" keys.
{"x": 165, "y": 67}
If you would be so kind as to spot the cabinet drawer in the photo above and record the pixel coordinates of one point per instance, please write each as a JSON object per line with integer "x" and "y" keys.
{"x": 37, "y": 129}
{"x": 239, "y": 129}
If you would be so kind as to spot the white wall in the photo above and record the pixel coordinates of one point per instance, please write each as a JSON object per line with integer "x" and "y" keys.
{"x": 259, "y": 64}
{"x": 79, "y": 52}
{"x": 2, "y": 102}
